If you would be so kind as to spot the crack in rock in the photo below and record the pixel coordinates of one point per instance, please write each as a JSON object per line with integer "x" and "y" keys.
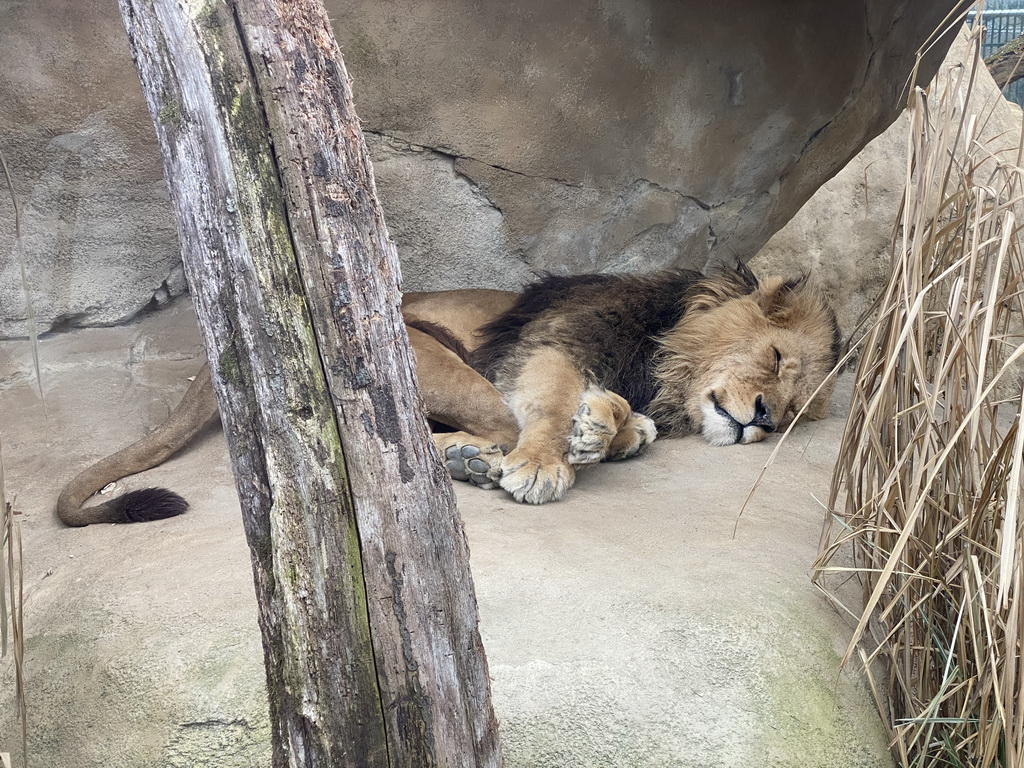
{"x": 447, "y": 152}
{"x": 217, "y": 723}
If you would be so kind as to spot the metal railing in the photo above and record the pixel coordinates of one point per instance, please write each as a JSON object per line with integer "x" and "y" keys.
{"x": 1003, "y": 22}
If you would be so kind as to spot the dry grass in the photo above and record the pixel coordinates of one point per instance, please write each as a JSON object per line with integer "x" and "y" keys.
{"x": 12, "y": 591}
{"x": 931, "y": 460}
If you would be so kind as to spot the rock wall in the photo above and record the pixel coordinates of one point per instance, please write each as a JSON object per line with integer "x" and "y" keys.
{"x": 509, "y": 138}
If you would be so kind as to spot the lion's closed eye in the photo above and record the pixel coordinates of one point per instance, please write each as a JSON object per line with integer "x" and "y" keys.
{"x": 778, "y": 360}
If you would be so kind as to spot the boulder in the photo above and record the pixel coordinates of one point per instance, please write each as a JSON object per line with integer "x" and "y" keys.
{"x": 511, "y": 138}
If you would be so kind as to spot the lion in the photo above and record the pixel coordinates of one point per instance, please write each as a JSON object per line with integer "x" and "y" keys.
{"x": 523, "y": 390}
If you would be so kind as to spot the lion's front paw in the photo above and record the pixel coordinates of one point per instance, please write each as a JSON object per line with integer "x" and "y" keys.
{"x": 591, "y": 436}
{"x": 595, "y": 438}
{"x": 468, "y": 458}
{"x": 635, "y": 435}
{"x": 535, "y": 481}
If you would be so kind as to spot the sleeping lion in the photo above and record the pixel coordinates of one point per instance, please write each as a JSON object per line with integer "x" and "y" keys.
{"x": 524, "y": 389}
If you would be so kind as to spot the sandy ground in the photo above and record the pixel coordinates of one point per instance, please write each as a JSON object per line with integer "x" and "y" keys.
{"x": 640, "y": 622}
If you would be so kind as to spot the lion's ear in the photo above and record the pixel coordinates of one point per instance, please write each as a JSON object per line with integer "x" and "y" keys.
{"x": 794, "y": 284}
{"x": 747, "y": 278}
{"x": 777, "y": 296}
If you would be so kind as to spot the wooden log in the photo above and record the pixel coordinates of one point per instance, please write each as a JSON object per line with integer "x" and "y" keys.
{"x": 367, "y": 607}
{"x": 1006, "y": 65}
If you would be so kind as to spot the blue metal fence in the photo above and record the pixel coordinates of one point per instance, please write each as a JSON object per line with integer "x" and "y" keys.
{"x": 1003, "y": 20}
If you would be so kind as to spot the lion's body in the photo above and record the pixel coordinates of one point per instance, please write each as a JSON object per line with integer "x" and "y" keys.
{"x": 578, "y": 370}
{"x": 607, "y": 325}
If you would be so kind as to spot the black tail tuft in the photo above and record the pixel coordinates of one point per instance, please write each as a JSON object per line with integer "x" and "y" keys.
{"x": 146, "y": 505}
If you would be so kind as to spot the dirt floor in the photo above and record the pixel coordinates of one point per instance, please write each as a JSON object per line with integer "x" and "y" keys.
{"x": 640, "y": 622}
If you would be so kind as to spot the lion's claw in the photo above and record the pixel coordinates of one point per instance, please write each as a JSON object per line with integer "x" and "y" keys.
{"x": 534, "y": 481}
{"x": 590, "y": 437}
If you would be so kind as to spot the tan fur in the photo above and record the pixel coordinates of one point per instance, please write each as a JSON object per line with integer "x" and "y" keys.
{"x": 545, "y": 415}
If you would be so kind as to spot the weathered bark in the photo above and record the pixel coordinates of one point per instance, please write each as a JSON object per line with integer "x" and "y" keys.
{"x": 1006, "y": 65}
{"x": 361, "y": 566}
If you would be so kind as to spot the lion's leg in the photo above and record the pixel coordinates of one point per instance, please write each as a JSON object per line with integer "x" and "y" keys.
{"x": 544, "y": 398}
{"x": 605, "y": 428}
{"x": 456, "y": 395}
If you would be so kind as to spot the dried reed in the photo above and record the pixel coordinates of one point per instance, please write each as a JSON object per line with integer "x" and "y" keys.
{"x": 931, "y": 459}
{"x": 12, "y": 600}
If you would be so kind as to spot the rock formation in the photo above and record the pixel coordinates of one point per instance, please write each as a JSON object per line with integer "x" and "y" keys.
{"x": 509, "y": 138}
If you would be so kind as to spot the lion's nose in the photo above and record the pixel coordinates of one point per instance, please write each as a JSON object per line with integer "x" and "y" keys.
{"x": 762, "y": 416}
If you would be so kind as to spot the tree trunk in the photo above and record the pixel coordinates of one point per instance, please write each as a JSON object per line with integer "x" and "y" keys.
{"x": 366, "y": 603}
{"x": 1005, "y": 65}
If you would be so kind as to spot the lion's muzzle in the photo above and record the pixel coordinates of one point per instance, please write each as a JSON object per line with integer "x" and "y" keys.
{"x": 720, "y": 427}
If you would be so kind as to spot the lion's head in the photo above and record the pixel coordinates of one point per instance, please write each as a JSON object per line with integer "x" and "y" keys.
{"x": 744, "y": 358}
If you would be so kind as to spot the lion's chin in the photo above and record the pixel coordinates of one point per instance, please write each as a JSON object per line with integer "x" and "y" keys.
{"x": 753, "y": 435}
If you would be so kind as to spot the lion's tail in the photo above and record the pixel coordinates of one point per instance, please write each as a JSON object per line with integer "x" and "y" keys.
{"x": 194, "y": 411}
{"x": 135, "y": 507}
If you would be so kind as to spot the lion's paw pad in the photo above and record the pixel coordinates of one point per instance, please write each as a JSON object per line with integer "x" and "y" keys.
{"x": 591, "y": 436}
{"x": 478, "y": 465}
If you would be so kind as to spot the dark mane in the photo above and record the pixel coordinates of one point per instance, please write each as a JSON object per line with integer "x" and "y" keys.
{"x": 609, "y": 323}
{"x": 547, "y": 292}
